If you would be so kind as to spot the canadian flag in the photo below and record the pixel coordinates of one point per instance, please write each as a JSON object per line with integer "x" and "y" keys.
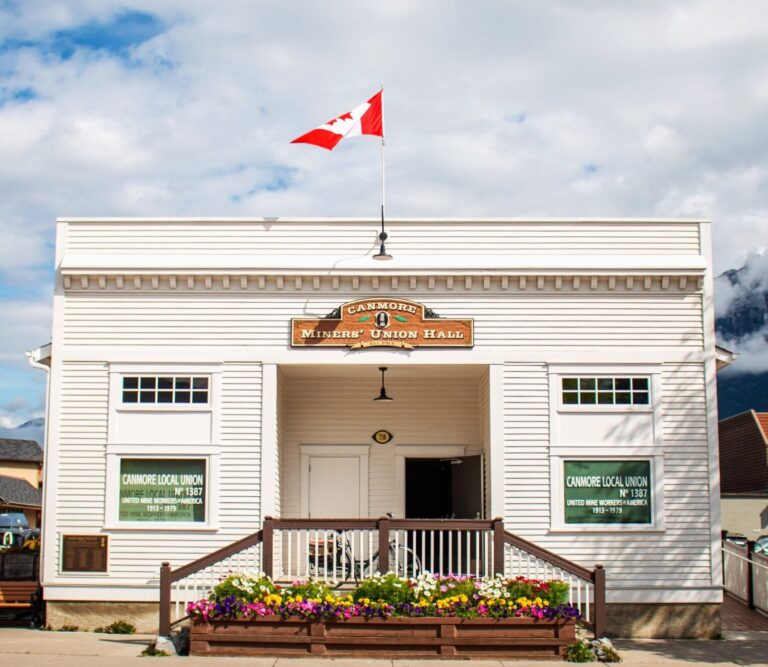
{"x": 365, "y": 119}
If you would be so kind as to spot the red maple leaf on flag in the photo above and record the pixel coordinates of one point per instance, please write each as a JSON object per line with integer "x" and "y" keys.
{"x": 344, "y": 116}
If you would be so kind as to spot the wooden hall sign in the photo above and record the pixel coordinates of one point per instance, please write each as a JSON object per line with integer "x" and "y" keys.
{"x": 382, "y": 322}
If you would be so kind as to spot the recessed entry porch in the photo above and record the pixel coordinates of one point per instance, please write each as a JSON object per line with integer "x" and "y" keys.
{"x": 434, "y": 466}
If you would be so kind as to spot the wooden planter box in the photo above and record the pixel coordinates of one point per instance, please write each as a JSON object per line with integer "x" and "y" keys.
{"x": 522, "y": 638}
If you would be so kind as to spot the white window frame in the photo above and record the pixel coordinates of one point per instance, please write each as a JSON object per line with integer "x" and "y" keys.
{"x": 361, "y": 452}
{"x": 210, "y": 451}
{"x": 558, "y": 371}
{"x": 557, "y": 490}
{"x": 118, "y": 371}
{"x": 117, "y": 453}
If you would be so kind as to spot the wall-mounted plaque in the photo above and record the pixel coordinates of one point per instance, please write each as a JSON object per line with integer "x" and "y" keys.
{"x": 164, "y": 490}
{"x": 607, "y": 492}
{"x": 84, "y": 553}
{"x": 384, "y": 322}
{"x": 382, "y": 437}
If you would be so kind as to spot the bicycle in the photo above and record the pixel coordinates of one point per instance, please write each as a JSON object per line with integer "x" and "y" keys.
{"x": 335, "y": 556}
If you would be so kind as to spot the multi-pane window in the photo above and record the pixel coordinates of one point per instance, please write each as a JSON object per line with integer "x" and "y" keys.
{"x": 165, "y": 389}
{"x": 606, "y": 391}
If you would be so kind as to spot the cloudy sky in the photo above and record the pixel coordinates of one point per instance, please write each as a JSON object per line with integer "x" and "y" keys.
{"x": 540, "y": 108}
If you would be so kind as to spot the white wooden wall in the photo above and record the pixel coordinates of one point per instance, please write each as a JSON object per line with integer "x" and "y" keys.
{"x": 160, "y": 291}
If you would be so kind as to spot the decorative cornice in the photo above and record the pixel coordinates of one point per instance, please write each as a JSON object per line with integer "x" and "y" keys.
{"x": 249, "y": 282}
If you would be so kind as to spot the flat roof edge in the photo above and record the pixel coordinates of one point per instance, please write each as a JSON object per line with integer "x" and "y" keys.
{"x": 450, "y": 220}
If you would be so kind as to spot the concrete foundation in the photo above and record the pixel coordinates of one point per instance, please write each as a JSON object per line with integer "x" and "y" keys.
{"x": 636, "y": 621}
{"x": 664, "y": 621}
{"x": 91, "y": 615}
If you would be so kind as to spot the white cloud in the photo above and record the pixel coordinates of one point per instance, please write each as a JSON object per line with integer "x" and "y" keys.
{"x": 490, "y": 109}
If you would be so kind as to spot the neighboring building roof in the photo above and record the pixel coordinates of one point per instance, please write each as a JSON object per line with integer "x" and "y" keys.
{"x": 20, "y": 450}
{"x": 762, "y": 419}
{"x": 19, "y": 492}
{"x": 744, "y": 453}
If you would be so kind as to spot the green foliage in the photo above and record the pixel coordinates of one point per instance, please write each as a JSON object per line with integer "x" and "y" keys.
{"x": 308, "y": 589}
{"x": 610, "y": 654}
{"x": 243, "y": 587}
{"x": 579, "y": 651}
{"x": 387, "y": 588}
{"x": 152, "y": 652}
{"x": 119, "y": 627}
{"x": 558, "y": 592}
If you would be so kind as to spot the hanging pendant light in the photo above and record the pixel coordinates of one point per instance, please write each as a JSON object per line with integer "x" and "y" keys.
{"x": 383, "y": 393}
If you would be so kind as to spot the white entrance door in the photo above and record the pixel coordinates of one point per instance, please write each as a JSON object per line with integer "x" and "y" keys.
{"x": 334, "y": 487}
{"x": 334, "y": 481}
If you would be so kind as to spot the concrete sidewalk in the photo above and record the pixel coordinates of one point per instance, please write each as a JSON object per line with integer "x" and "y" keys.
{"x": 30, "y": 648}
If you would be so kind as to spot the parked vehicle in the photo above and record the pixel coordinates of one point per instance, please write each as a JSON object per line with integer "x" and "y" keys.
{"x": 12, "y": 527}
{"x": 736, "y": 538}
{"x": 761, "y": 545}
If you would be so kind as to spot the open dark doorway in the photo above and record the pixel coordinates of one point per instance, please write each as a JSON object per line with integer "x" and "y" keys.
{"x": 447, "y": 488}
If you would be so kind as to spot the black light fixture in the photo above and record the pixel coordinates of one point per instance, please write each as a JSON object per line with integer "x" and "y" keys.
{"x": 383, "y": 393}
{"x": 382, "y": 254}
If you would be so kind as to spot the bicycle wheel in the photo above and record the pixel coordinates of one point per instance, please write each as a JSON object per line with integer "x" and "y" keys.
{"x": 404, "y": 562}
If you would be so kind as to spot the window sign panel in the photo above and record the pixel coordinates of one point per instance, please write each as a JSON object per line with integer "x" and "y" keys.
{"x": 607, "y": 492}
{"x": 165, "y": 490}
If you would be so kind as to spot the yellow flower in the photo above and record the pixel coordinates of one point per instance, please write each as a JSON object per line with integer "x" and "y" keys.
{"x": 502, "y": 602}
{"x": 463, "y": 598}
{"x": 299, "y": 598}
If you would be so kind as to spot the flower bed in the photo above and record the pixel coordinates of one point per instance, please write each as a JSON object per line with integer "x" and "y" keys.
{"x": 386, "y": 615}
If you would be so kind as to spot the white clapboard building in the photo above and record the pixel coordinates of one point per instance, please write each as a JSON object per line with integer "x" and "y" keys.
{"x": 559, "y": 374}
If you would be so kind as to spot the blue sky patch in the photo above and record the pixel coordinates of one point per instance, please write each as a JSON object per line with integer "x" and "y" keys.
{"x": 116, "y": 37}
{"x": 590, "y": 168}
{"x": 279, "y": 178}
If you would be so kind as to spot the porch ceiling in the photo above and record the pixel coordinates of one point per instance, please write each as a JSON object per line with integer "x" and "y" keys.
{"x": 395, "y": 371}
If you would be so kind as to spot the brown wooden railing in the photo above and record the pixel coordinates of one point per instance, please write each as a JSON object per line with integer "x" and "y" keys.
{"x": 587, "y": 587}
{"x": 333, "y": 549}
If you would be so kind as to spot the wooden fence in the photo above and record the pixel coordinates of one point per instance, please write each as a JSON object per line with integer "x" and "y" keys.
{"x": 745, "y": 574}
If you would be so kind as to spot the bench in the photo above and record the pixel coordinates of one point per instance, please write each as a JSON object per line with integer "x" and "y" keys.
{"x": 18, "y": 594}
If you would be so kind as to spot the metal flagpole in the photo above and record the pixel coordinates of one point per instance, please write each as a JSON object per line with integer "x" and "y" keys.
{"x": 382, "y": 254}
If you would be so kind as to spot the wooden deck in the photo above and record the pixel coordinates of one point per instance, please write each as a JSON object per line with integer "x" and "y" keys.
{"x": 738, "y": 617}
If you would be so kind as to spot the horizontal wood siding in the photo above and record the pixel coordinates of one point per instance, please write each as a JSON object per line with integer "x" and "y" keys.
{"x": 501, "y": 319}
{"x": 240, "y": 475}
{"x": 135, "y": 556}
{"x": 78, "y": 498}
{"x": 678, "y": 556}
{"x": 526, "y": 448}
{"x": 407, "y": 238}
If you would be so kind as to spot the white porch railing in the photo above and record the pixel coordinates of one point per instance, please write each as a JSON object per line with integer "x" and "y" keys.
{"x": 340, "y": 551}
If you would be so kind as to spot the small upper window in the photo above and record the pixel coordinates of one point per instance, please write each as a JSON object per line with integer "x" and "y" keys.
{"x": 165, "y": 389}
{"x": 606, "y": 391}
